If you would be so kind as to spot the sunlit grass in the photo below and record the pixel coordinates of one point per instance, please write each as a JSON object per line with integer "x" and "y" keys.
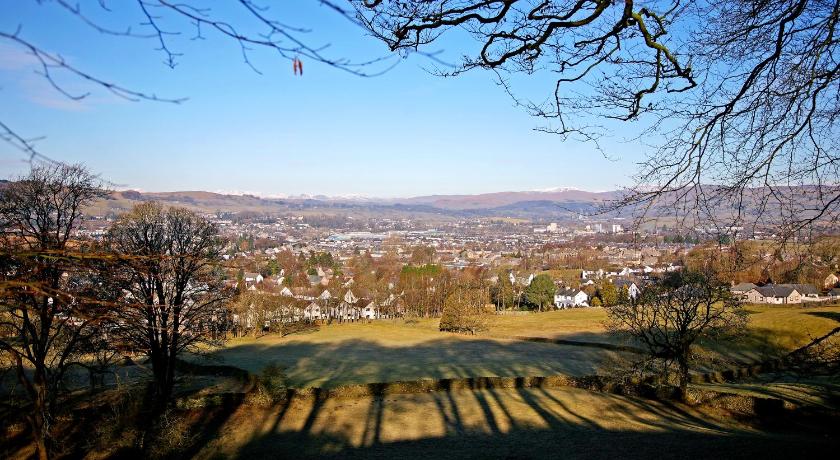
{"x": 388, "y": 350}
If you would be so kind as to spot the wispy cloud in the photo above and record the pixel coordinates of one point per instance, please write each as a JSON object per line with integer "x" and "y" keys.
{"x": 24, "y": 71}
{"x": 15, "y": 58}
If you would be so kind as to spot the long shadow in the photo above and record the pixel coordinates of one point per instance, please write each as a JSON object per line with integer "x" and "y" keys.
{"x": 366, "y": 361}
{"x": 558, "y": 441}
{"x": 586, "y": 422}
{"x": 667, "y": 430}
{"x": 373, "y": 424}
{"x": 489, "y": 416}
{"x": 832, "y": 315}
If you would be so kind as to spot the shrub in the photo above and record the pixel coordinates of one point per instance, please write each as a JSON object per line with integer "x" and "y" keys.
{"x": 271, "y": 386}
{"x": 297, "y": 327}
{"x": 172, "y": 436}
{"x": 464, "y": 311}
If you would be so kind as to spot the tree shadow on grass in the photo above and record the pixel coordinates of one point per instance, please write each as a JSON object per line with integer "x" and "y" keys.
{"x": 832, "y": 315}
{"x": 552, "y": 426}
{"x": 366, "y": 361}
{"x": 480, "y": 421}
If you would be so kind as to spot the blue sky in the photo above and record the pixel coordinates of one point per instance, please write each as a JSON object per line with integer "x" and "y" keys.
{"x": 328, "y": 132}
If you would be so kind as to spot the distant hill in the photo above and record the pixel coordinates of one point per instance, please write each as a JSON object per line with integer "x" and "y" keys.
{"x": 559, "y": 205}
{"x": 502, "y": 199}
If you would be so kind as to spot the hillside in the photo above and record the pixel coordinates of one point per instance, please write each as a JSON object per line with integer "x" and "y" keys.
{"x": 559, "y": 205}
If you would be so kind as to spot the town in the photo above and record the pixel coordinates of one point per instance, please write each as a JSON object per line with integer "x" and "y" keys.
{"x": 340, "y": 268}
{"x": 431, "y": 229}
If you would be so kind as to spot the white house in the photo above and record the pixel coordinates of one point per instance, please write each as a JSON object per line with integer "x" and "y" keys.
{"x": 350, "y": 298}
{"x": 345, "y": 311}
{"x": 566, "y": 297}
{"x": 774, "y": 294}
{"x": 253, "y": 278}
{"x": 325, "y": 295}
{"x": 312, "y": 311}
{"x": 370, "y": 311}
{"x": 782, "y": 294}
{"x": 632, "y": 289}
{"x": 740, "y": 290}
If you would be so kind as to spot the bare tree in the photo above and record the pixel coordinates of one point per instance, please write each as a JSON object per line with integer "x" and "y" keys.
{"x": 170, "y": 294}
{"x": 669, "y": 319}
{"x": 49, "y": 299}
{"x": 738, "y": 101}
{"x": 258, "y": 311}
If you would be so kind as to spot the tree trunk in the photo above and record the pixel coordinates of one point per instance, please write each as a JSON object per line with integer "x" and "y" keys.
{"x": 161, "y": 388}
{"x": 41, "y": 447}
{"x": 683, "y": 378}
{"x": 39, "y": 418}
{"x": 39, "y": 422}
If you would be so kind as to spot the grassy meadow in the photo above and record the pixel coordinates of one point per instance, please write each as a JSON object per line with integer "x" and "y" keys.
{"x": 384, "y": 351}
{"x": 389, "y": 350}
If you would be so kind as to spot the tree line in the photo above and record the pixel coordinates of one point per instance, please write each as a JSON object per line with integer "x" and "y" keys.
{"x": 148, "y": 289}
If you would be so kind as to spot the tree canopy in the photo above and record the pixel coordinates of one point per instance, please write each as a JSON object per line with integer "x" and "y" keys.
{"x": 738, "y": 100}
{"x": 540, "y": 293}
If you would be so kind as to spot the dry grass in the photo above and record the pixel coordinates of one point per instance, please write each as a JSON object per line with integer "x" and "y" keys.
{"x": 586, "y": 324}
{"x": 794, "y": 326}
{"x": 383, "y": 351}
{"x": 774, "y": 331}
{"x": 515, "y": 423}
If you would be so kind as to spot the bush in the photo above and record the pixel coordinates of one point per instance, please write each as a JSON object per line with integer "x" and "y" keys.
{"x": 271, "y": 386}
{"x": 297, "y": 327}
{"x": 172, "y": 436}
{"x": 596, "y": 302}
{"x": 464, "y": 311}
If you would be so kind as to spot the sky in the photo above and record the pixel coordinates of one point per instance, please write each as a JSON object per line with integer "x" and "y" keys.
{"x": 404, "y": 133}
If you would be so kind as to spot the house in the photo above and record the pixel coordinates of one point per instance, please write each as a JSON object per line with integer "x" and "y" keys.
{"x": 286, "y": 292}
{"x": 774, "y": 294}
{"x": 567, "y": 297}
{"x": 589, "y": 274}
{"x": 312, "y": 312}
{"x": 834, "y": 293}
{"x": 314, "y": 280}
{"x": 252, "y": 279}
{"x": 325, "y": 295}
{"x": 370, "y": 311}
{"x": 350, "y": 298}
{"x": 831, "y": 280}
{"x": 632, "y": 288}
{"x": 346, "y": 311}
{"x": 740, "y": 290}
{"x": 808, "y": 291}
